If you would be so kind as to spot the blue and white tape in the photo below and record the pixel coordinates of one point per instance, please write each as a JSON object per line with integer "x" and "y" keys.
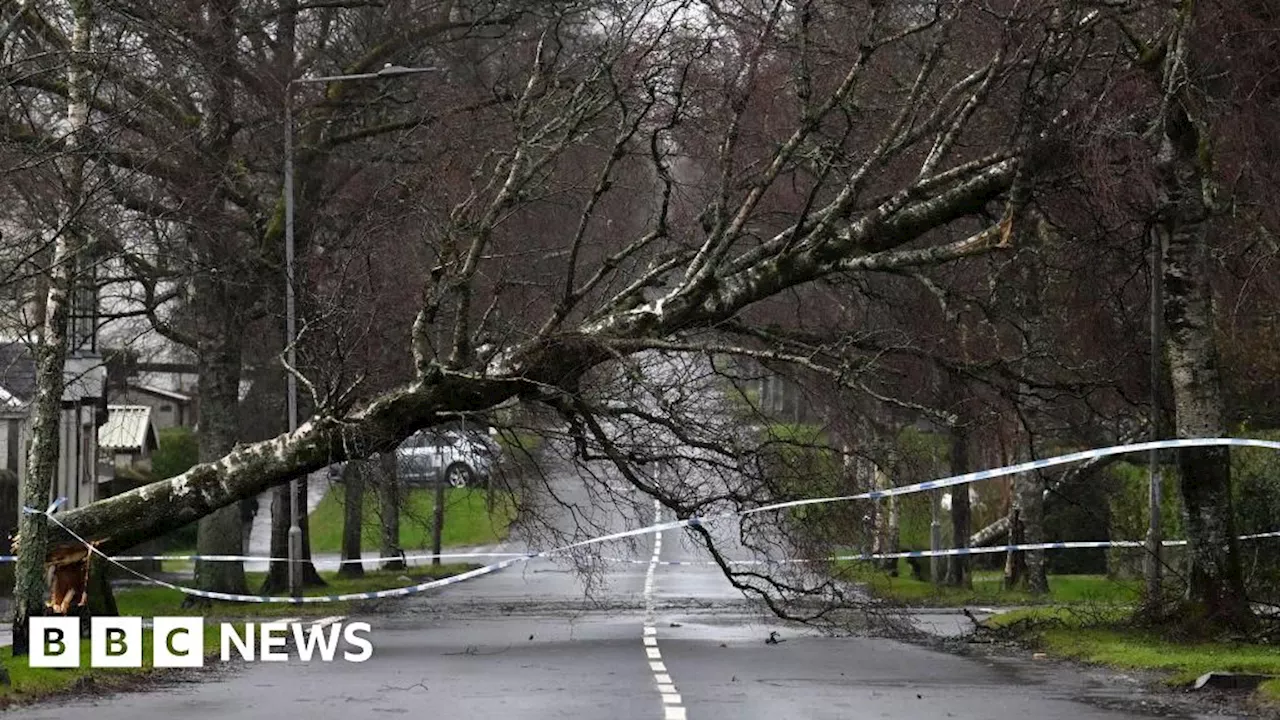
{"x": 1025, "y": 467}
{"x": 376, "y": 595}
{"x": 947, "y": 552}
{"x": 693, "y": 521}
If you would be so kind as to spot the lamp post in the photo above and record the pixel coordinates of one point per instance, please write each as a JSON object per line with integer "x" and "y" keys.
{"x": 1154, "y": 565}
{"x": 290, "y": 307}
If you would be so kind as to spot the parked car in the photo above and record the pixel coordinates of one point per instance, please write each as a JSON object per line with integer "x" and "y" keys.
{"x": 458, "y": 458}
{"x": 428, "y": 457}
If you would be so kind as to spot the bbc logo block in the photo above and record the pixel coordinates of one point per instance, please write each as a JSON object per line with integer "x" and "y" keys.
{"x": 116, "y": 642}
{"x": 179, "y": 642}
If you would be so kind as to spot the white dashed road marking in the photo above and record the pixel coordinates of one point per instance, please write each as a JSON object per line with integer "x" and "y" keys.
{"x": 672, "y": 703}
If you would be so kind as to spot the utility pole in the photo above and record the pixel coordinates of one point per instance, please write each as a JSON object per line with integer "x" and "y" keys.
{"x": 937, "y": 563}
{"x": 1154, "y": 561}
{"x": 291, "y": 335}
{"x": 290, "y": 310}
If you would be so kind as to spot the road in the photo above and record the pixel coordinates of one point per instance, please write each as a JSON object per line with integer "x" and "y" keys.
{"x": 647, "y": 642}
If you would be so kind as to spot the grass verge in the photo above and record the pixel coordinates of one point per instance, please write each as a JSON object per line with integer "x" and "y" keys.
{"x": 151, "y": 601}
{"x": 1269, "y": 692}
{"x": 988, "y": 589}
{"x": 28, "y": 684}
{"x": 1098, "y": 636}
{"x": 468, "y": 519}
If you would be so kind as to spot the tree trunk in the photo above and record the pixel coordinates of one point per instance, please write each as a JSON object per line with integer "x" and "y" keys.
{"x": 1015, "y": 566}
{"x": 437, "y": 523}
{"x": 1214, "y": 581}
{"x": 51, "y": 349}
{"x": 218, "y": 360}
{"x": 389, "y": 510}
{"x": 886, "y": 522}
{"x": 1000, "y": 528}
{"x": 277, "y": 579}
{"x": 1215, "y": 587}
{"x": 352, "y": 519}
{"x": 30, "y": 591}
{"x": 102, "y": 602}
{"x": 958, "y": 565}
{"x": 1030, "y": 488}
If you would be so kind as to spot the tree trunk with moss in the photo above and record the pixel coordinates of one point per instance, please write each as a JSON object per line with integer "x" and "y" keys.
{"x": 352, "y": 519}
{"x": 218, "y": 361}
{"x": 277, "y": 579}
{"x": 958, "y": 565}
{"x": 1215, "y": 586}
{"x": 389, "y": 510}
{"x": 50, "y": 350}
{"x": 1030, "y": 487}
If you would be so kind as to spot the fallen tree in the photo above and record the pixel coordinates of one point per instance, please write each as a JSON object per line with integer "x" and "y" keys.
{"x": 696, "y": 193}
{"x": 541, "y": 367}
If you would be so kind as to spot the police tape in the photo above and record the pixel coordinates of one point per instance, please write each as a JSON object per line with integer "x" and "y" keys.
{"x": 1022, "y": 468}
{"x": 946, "y": 552}
{"x": 696, "y": 520}
{"x": 375, "y": 595}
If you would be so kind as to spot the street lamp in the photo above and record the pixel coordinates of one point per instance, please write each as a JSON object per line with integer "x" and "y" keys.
{"x": 290, "y": 311}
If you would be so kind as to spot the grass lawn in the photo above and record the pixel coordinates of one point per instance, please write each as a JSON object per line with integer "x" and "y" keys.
{"x": 988, "y": 589}
{"x": 1270, "y": 691}
{"x": 467, "y": 520}
{"x": 152, "y": 601}
{"x": 1102, "y": 638}
{"x": 28, "y": 683}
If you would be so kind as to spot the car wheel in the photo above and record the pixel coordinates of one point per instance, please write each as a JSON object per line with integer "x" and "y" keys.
{"x": 458, "y": 475}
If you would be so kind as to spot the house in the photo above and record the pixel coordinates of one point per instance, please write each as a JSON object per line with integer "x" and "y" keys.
{"x": 84, "y": 408}
{"x": 128, "y": 437}
{"x": 169, "y": 408}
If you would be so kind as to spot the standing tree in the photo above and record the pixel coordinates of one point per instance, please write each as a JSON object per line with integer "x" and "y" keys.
{"x": 50, "y": 348}
{"x": 1215, "y": 586}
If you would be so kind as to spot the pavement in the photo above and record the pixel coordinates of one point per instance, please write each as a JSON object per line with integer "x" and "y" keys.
{"x": 260, "y": 530}
{"x": 630, "y": 640}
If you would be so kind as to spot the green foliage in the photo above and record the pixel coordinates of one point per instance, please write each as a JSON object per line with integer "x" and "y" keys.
{"x": 1255, "y": 474}
{"x": 467, "y": 520}
{"x": 920, "y": 456}
{"x": 27, "y": 684}
{"x": 153, "y": 601}
{"x": 801, "y": 460}
{"x": 517, "y": 444}
{"x": 1269, "y": 691}
{"x": 1101, "y": 637}
{"x": 1127, "y": 488}
{"x": 177, "y": 451}
{"x": 988, "y": 588}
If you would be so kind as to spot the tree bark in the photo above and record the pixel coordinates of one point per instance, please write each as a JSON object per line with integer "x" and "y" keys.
{"x": 352, "y": 519}
{"x": 389, "y": 510}
{"x": 1000, "y": 528}
{"x": 437, "y": 523}
{"x": 51, "y": 348}
{"x": 528, "y": 367}
{"x": 1215, "y": 586}
{"x": 958, "y": 565}
{"x": 886, "y": 521}
{"x": 1015, "y": 566}
{"x": 218, "y": 361}
{"x": 277, "y": 579}
{"x": 1030, "y": 488}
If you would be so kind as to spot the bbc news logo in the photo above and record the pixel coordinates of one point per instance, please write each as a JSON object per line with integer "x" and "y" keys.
{"x": 178, "y": 642}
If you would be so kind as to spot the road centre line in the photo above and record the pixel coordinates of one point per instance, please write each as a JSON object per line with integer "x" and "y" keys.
{"x": 672, "y": 703}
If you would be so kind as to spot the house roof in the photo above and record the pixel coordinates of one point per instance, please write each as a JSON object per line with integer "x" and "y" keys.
{"x": 17, "y": 373}
{"x": 153, "y": 390}
{"x": 128, "y": 428}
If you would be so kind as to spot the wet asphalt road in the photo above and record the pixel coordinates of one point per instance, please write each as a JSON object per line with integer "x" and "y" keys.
{"x": 530, "y": 642}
